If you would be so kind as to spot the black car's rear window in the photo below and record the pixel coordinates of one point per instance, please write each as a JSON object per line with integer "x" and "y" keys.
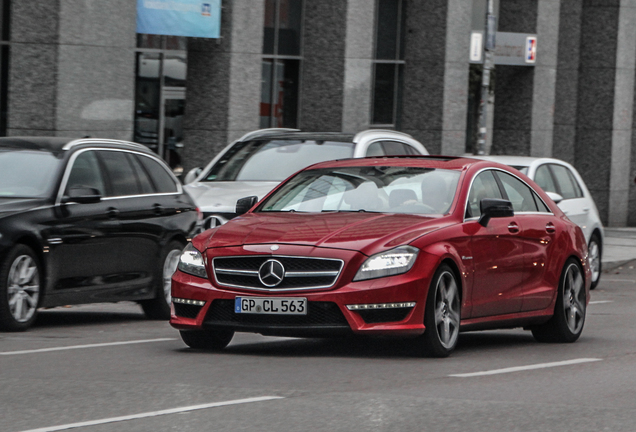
{"x": 274, "y": 160}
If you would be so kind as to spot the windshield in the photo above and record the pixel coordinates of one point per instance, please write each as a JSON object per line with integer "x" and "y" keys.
{"x": 387, "y": 189}
{"x": 26, "y": 174}
{"x": 274, "y": 160}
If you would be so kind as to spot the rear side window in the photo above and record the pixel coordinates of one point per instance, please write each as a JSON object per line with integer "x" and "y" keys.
{"x": 144, "y": 180}
{"x": 159, "y": 175}
{"x": 86, "y": 173}
{"x": 120, "y": 173}
{"x": 520, "y": 195}
{"x": 568, "y": 186}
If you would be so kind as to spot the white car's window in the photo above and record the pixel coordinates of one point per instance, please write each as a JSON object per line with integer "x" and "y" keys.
{"x": 390, "y": 148}
{"x": 568, "y": 186}
{"x": 484, "y": 186}
{"x": 274, "y": 160}
{"x": 520, "y": 195}
{"x": 544, "y": 179}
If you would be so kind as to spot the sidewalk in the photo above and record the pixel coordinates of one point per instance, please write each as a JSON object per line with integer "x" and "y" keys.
{"x": 619, "y": 247}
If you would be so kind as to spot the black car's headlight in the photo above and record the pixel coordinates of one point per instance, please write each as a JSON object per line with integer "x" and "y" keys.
{"x": 191, "y": 262}
{"x": 392, "y": 262}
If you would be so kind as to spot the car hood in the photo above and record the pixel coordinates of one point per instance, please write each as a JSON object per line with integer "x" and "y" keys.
{"x": 364, "y": 232}
{"x": 221, "y": 197}
{"x": 10, "y": 206}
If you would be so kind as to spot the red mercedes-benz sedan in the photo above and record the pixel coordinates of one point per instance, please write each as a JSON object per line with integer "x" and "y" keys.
{"x": 407, "y": 246}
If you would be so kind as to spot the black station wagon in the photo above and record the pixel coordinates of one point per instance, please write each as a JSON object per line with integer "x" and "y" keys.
{"x": 86, "y": 221}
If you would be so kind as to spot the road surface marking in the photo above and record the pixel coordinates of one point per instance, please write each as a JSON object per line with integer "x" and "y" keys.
{"x": 619, "y": 280}
{"x": 153, "y": 414}
{"x": 85, "y": 346}
{"x": 601, "y": 301}
{"x": 524, "y": 368}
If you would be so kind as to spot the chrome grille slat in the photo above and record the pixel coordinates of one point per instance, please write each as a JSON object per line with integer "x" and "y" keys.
{"x": 301, "y": 273}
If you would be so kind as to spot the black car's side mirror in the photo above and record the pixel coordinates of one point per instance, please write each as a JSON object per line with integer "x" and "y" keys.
{"x": 494, "y": 208}
{"x": 244, "y": 204}
{"x": 82, "y": 195}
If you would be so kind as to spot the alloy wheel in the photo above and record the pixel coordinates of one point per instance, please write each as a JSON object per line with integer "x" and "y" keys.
{"x": 447, "y": 310}
{"x": 23, "y": 288}
{"x": 574, "y": 298}
{"x": 595, "y": 260}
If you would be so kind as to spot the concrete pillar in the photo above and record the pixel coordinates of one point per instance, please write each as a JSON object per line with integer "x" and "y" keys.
{"x": 567, "y": 80}
{"x": 323, "y": 64}
{"x": 223, "y": 86}
{"x": 358, "y": 65}
{"x": 72, "y": 68}
{"x": 514, "y": 85}
{"x": 436, "y": 73}
{"x": 545, "y": 75}
{"x": 605, "y": 105}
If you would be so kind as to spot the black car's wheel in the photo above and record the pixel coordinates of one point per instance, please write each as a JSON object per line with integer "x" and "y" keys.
{"x": 442, "y": 315}
{"x": 159, "y": 307}
{"x": 595, "y": 249}
{"x": 567, "y": 322}
{"x": 20, "y": 287}
{"x": 207, "y": 339}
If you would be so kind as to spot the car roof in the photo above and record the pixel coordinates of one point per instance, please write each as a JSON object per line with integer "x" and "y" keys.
{"x": 305, "y": 136}
{"x": 60, "y": 144}
{"x": 441, "y": 162}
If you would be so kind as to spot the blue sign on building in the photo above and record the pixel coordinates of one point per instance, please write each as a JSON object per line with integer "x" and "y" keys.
{"x": 194, "y": 18}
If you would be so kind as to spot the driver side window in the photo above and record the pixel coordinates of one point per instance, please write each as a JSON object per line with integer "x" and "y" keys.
{"x": 86, "y": 173}
{"x": 484, "y": 186}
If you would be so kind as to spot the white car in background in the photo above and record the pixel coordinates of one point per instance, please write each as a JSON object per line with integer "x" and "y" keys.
{"x": 257, "y": 162}
{"x": 565, "y": 186}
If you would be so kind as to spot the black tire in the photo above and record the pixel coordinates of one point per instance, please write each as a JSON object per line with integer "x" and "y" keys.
{"x": 20, "y": 284}
{"x": 566, "y": 325}
{"x": 213, "y": 340}
{"x": 158, "y": 308}
{"x": 442, "y": 327}
{"x": 595, "y": 261}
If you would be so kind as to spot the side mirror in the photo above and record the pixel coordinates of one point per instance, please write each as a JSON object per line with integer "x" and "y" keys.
{"x": 244, "y": 204}
{"x": 82, "y": 195}
{"x": 192, "y": 175}
{"x": 494, "y": 208}
{"x": 555, "y": 197}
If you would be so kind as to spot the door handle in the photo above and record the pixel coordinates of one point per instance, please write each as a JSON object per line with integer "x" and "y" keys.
{"x": 112, "y": 212}
{"x": 158, "y": 209}
{"x": 550, "y": 228}
{"x": 513, "y": 227}
{"x": 586, "y": 209}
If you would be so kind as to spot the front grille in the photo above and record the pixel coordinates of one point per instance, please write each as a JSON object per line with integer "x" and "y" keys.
{"x": 373, "y": 316}
{"x": 319, "y": 314}
{"x": 186, "y": 310}
{"x": 300, "y": 272}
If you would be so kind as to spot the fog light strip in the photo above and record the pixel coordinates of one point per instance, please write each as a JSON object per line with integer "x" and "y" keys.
{"x": 381, "y": 306}
{"x": 188, "y": 301}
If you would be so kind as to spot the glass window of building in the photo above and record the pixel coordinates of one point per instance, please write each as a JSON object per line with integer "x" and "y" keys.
{"x": 5, "y": 31}
{"x": 282, "y": 52}
{"x": 160, "y": 95}
{"x": 388, "y": 64}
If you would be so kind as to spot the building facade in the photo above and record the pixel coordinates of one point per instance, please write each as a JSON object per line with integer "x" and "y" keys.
{"x": 78, "y": 68}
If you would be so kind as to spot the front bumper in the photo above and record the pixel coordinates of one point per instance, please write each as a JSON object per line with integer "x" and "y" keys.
{"x": 212, "y": 306}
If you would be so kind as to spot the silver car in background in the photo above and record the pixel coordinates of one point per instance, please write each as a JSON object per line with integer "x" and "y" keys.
{"x": 260, "y": 160}
{"x": 565, "y": 186}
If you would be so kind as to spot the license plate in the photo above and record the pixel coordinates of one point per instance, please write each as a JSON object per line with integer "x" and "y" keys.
{"x": 274, "y": 306}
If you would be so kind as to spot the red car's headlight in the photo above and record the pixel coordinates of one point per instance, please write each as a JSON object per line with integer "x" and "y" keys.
{"x": 393, "y": 262}
{"x": 191, "y": 262}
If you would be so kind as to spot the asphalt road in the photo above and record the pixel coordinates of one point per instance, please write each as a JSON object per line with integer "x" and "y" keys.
{"x": 105, "y": 363}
